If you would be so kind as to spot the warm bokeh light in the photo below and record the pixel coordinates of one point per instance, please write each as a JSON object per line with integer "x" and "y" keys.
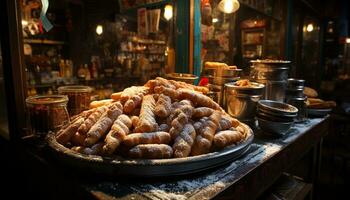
{"x": 168, "y": 12}
{"x": 309, "y": 27}
{"x": 228, "y": 6}
{"x": 99, "y": 29}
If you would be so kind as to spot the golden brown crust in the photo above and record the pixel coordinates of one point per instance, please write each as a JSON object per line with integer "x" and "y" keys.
{"x": 158, "y": 137}
{"x": 204, "y": 139}
{"x": 163, "y": 106}
{"x": 309, "y": 92}
{"x": 151, "y": 151}
{"x": 96, "y": 104}
{"x": 184, "y": 141}
{"x": 116, "y": 135}
{"x": 147, "y": 121}
{"x": 199, "y": 99}
{"x": 64, "y": 136}
{"x": 202, "y": 112}
{"x": 92, "y": 119}
{"x": 99, "y": 129}
{"x": 227, "y": 137}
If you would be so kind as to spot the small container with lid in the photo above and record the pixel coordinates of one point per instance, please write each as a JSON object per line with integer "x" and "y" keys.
{"x": 47, "y": 113}
{"x": 240, "y": 101}
{"x": 79, "y": 97}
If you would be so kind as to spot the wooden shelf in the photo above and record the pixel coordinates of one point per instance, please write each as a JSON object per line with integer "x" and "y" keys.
{"x": 147, "y": 6}
{"x": 252, "y": 44}
{"x": 146, "y": 41}
{"x": 43, "y": 41}
{"x": 142, "y": 52}
{"x": 260, "y": 12}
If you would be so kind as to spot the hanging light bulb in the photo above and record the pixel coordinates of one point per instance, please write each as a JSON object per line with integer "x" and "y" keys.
{"x": 99, "y": 29}
{"x": 309, "y": 27}
{"x": 228, "y": 6}
{"x": 168, "y": 12}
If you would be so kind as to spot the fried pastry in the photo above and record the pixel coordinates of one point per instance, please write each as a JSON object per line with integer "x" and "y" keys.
{"x": 151, "y": 151}
{"x": 116, "y": 135}
{"x": 99, "y": 129}
{"x": 163, "y": 106}
{"x": 227, "y": 137}
{"x": 64, "y": 136}
{"x": 184, "y": 141}
{"x": 147, "y": 121}
{"x": 204, "y": 139}
{"x": 92, "y": 119}
{"x": 158, "y": 137}
{"x": 96, "y": 104}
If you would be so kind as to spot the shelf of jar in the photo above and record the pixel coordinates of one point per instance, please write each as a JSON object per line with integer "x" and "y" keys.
{"x": 141, "y": 52}
{"x": 147, "y": 41}
{"x": 43, "y": 41}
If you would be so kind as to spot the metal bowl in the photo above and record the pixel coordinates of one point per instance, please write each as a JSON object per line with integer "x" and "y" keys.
{"x": 276, "y": 118}
{"x": 187, "y": 78}
{"x": 277, "y": 107}
{"x": 271, "y": 127}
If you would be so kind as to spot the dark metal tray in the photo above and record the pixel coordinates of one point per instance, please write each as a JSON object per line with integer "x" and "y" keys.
{"x": 118, "y": 166}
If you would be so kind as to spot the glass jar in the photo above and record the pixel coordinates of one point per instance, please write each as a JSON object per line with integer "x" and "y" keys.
{"x": 79, "y": 97}
{"x": 47, "y": 113}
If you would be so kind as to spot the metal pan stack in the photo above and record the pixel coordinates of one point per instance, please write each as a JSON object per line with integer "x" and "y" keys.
{"x": 275, "y": 117}
{"x": 295, "y": 96}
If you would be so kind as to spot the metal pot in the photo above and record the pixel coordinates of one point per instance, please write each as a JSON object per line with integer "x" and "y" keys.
{"x": 217, "y": 93}
{"x": 296, "y": 83}
{"x": 300, "y": 103}
{"x": 240, "y": 102}
{"x": 294, "y": 92}
{"x": 267, "y": 72}
{"x": 274, "y": 90}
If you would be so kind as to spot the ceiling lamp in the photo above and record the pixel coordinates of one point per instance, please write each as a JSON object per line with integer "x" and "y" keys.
{"x": 168, "y": 12}
{"x": 310, "y": 27}
{"x": 99, "y": 29}
{"x": 228, "y": 6}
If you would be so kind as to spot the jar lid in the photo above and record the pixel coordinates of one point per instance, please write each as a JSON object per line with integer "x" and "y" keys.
{"x": 74, "y": 88}
{"x": 46, "y": 99}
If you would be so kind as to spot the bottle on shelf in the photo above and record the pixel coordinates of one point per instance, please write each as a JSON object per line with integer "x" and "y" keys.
{"x": 81, "y": 72}
{"x": 62, "y": 66}
{"x": 69, "y": 69}
{"x": 94, "y": 71}
{"x": 87, "y": 72}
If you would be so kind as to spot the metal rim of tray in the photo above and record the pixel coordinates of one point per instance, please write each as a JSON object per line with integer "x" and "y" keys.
{"x": 148, "y": 167}
{"x": 318, "y": 112}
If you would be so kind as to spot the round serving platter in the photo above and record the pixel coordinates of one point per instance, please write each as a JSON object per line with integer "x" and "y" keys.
{"x": 117, "y": 166}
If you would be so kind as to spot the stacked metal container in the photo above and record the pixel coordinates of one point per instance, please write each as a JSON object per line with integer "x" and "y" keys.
{"x": 273, "y": 74}
{"x": 295, "y": 96}
{"x": 217, "y": 81}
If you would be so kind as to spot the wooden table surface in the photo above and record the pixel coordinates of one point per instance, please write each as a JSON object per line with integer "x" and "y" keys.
{"x": 245, "y": 178}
